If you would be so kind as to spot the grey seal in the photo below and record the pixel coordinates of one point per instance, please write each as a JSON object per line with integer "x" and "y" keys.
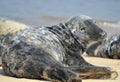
{"x": 54, "y": 53}
{"x": 106, "y": 49}
{"x": 8, "y": 26}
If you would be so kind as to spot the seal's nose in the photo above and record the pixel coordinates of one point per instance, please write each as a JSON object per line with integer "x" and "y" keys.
{"x": 103, "y": 35}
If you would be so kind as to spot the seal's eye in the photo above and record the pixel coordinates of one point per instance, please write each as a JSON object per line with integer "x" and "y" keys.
{"x": 82, "y": 29}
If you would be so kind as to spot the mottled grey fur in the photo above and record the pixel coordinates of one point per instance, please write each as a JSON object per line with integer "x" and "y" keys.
{"x": 54, "y": 53}
{"x": 106, "y": 49}
{"x": 4, "y": 39}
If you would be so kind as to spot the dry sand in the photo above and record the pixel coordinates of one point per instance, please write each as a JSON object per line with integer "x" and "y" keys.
{"x": 114, "y": 64}
{"x": 11, "y": 27}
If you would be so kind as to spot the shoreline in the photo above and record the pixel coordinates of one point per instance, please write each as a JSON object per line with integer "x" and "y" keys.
{"x": 48, "y": 20}
{"x": 111, "y": 27}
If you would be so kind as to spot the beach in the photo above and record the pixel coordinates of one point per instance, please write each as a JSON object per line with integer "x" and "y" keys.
{"x": 111, "y": 27}
{"x": 32, "y": 13}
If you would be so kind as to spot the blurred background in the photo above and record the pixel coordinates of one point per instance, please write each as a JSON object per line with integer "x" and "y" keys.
{"x": 46, "y": 12}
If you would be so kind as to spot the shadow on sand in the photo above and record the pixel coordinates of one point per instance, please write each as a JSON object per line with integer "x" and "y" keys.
{"x": 2, "y": 72}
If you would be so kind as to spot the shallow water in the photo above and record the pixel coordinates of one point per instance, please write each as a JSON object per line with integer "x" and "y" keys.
{"x": 99, "y": 9}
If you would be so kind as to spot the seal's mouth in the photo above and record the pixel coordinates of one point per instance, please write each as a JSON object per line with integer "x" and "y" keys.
{"x": 101, "y": 37}
{"x": 97, "y": 40}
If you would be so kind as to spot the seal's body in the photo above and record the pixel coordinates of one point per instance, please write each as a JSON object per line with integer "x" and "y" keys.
{"x": 54, "y": 53}
{"x": 8, "y": 27}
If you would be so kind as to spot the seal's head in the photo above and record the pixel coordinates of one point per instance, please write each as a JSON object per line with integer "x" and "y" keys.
{"x": 85, "y": 29}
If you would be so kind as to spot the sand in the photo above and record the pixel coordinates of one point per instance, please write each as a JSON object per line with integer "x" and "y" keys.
{"x": 114, "y": 64}
{"x": 10, "y": 26}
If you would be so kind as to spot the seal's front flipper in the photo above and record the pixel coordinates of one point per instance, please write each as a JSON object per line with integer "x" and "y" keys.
{"x": 56, "y": 74}
{"x": 94, "y": 72}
